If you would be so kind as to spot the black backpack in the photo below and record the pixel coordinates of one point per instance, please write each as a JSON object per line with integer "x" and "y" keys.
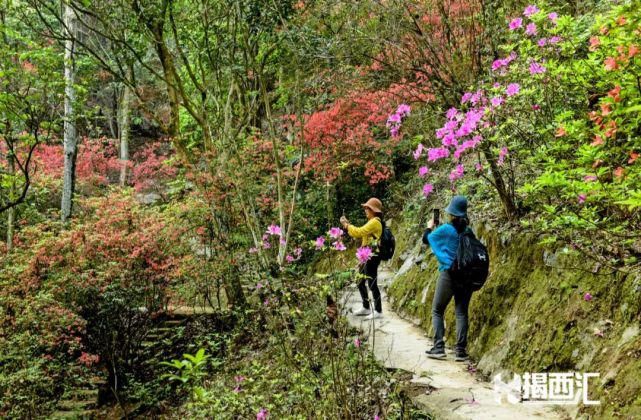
{"x": 472, "y": 264}
{"x": 386, "y": 243}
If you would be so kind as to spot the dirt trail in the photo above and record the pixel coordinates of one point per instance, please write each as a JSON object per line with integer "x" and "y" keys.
{"x": 444, "y": 387}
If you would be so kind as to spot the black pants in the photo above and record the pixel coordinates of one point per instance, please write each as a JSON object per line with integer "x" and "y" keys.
{"x": 445, "y": 289}
{"x": 370, "y": 271}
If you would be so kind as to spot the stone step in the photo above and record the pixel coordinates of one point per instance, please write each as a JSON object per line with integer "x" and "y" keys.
{"x": 173, "y": 322}
{"x": 97, "y": 380}
{"x": 82, "y": 394}
{"x": 163, "y": 330}
{"x": 78, "y": 414}
{"x": 76, "y": 405}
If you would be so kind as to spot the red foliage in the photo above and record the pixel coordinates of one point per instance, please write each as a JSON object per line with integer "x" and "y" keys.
{"x": 98, "y": 163}
{"x": 97, "y": 160}
{"x": 352, "y": 131}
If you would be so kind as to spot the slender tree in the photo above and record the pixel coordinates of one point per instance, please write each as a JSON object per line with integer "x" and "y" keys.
{"x": 70, "y": 134}
{"x": 124, "y": 125}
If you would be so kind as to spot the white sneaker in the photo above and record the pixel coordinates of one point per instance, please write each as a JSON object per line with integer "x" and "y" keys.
{"x": 374, "y": 315}
{"x": 362, "y": 312}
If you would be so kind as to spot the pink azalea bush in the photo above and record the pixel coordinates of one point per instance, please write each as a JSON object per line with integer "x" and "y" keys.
{"x": 530, "y": 126}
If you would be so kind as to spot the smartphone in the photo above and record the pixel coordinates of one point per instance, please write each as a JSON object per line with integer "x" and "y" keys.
{"x": 436, "y": 216}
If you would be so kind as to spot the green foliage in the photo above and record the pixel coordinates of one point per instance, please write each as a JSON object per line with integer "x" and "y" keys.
{"x": 190, "y": 372}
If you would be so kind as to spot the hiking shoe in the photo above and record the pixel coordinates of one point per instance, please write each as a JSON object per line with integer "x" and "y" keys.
{"x": 362, "y": 312}
{"x": 374, "y": 315}
{"x": 435, "y": 353}
{"x": 461, "y": 356}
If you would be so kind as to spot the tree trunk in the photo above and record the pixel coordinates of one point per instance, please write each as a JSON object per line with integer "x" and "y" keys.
{"x": 125, "y": 125}
{"x": 11, "y": 216}
{"x": 70, "y": 135}
{"x": 509, "y": 206}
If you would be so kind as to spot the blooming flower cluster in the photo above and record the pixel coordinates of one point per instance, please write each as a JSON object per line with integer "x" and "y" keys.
{"x": 363, "y": 254}
{"x": 263, "y": 414}
{"x": 395, "y": 120}
{"x": 464, "y": 129}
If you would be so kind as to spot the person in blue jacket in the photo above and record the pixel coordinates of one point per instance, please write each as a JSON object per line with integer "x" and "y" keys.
{"x": 444, "y": 243}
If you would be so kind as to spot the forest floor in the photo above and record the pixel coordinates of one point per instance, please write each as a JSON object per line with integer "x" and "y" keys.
{"x": 447, "y": 389}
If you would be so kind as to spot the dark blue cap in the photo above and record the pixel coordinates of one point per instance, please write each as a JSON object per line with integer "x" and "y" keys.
{"x": 458, "y": 206}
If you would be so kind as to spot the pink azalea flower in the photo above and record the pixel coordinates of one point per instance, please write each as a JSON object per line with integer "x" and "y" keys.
{"x": 427, "y": 189}
{"x": 502, "y": 153}
{"x": 466, "y": 97}
{"x": 497, "y": 101}
{"x": 469, "y": 144}
{"x": 289, "y": 258}
{"x": 274, "y": 230}
{"x": 476, "y": 97}
{"x": 536, "y": 107}
{"x": 582, "y": 198}
{"x": 403, "y": 110}
{"x": 259, "y": 286}
{"x": 555, "y": 40}
{"x": 393, "y": 120}
{"x": 441, "y": 132}
{"x": 423, "y": 171}
{"x": 478, "y": 167}
{"x": 451, "y": 113}
{"x": 450, "y": 139}
{"x": 587, "y": 296}
{"x": 363, "y": 254}
{"x": 357, "y": 342}
{"x": 497, "y": 64}
{"x": 438, "y": 153}
{"x": 590, "y": 178}
{"x": 451, "y": 126}
{"x": 320, "y": 242}
{"x": 418, "y": 152}
{"x": 394, "y": 131}
{"x": 265, "y": 237}
{"x": 553, "y": 16}
{"x": 239, "y": 378}
{"x": 336, "y": 232}
{"x": 253, "y": 250}
{"x": 237, "y": 389}
{"x": 266, "y": 245}
{"x": 298, "y": 251}
{"x": 530, "y": 29}
{"x": 530, "y": 10}
{"x": 536, "y": 68}
{"x": 338, "y": 246}
{"x": 496, "y": 85}
{"x": 542, "y": 42}
{"x": 262, "y": 414}
{"x": 516, "y": 23}
{"x": 457, "y": 173}
{"x": 512, "y": 89}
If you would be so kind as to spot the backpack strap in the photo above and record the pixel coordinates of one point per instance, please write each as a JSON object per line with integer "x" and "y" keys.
{"x": 382, "y": 226}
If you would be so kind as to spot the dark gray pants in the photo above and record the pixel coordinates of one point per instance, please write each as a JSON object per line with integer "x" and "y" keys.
{"x": 370, "y": 275}
{"x": 445, "y": 289}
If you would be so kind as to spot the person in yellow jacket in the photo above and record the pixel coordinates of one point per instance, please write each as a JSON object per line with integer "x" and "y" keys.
{"x": 369, "y": 234}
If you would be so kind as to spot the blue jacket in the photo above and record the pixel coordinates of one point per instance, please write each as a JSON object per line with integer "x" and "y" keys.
{"x": 444, "y": 242}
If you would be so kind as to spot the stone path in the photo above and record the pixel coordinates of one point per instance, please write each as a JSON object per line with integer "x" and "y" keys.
{"x": 448, "y": 390}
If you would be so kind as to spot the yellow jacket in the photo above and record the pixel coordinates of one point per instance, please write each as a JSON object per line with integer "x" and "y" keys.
{"x": 370, "y": 232}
